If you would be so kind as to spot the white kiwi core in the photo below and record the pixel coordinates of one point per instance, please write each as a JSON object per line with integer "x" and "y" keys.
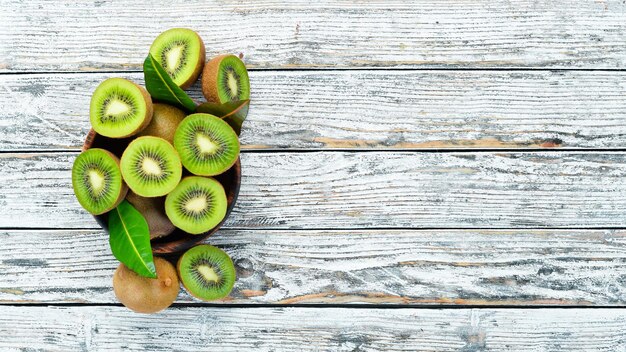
{"x": 96, "y": 180}
{"x": 117, "y": 107}
{"x": 208, "y": 273}
{"x": 173, "y": 57}
{"x": 151, "y": 166}
{"x": 196, "y": 204}
{"x": 205, "y": 144}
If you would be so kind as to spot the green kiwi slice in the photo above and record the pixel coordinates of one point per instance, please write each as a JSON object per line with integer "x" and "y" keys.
{"x": 97, "y": 181}
{"x": 207, "y": 145}
{"x": 181, "y": 53}
{"x": 207, "y": 272}
{"x": 119, "y": 108}
{"x": 151, "y": 166}
{"x": 165, "y": 120}
{"x": 224, "y": 79}
{"x": 197, "y": 204}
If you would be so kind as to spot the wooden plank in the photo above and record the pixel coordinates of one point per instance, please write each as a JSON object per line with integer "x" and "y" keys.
{"x": 359, "y": 190}
{"x": 95, "y": 36}
{"x": 312, "y": 329}
{"x": 465, "y": 267}
{"x": 361, "y": 110}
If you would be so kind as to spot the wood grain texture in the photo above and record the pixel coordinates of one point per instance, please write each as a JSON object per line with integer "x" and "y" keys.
{"x": 464, "y": 267}
{"x": 99, "y": 35}
{"x": 311, "y": 329}
{"x": 359, "y": 190}
{"x": 360, "y": 110}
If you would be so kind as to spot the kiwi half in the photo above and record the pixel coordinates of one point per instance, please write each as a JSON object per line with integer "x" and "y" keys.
{"x": 119, "y": 108}
{"x": 181, "y": 53}
{"x": 207, "y": 272}
{"x": 207, "y": 145}
{"x": 145, "y": 295}
{"x": 197, "y": 204}
{"x": 153, "y": 210}
{"x": 165, "y": 120}
{"x": 225, "y": 79}
{"x": 151, "y": 166}
{"x": 97, "y": 181}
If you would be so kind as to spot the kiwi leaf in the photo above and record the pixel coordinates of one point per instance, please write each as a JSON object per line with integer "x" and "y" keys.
{"x": 129, "y": 238}
{"x": 234, "y": 112}
{"x": 161, "y": 86}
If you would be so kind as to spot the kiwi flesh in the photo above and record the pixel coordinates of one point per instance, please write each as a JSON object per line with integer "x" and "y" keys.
{"x": 197, "y": 204}
{"x": 153, "y": 210}
{"x": 119, "y": 108}
{"x": 145, "y": 295}
{"x": 225, "y": 78}
{"x": 207, "y": 145}
{"x": 151, "y": 166}
{"x": 97, "y": 181}
{"x": 207, "y": 272}
{"x": 181, "y": 52}
{"x": 165, "y": 119}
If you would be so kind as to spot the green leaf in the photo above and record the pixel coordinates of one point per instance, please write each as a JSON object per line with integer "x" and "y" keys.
{"x": 161, "y": 86}
{"x": 234, "y": 112}
{"x": 129, "y": 238}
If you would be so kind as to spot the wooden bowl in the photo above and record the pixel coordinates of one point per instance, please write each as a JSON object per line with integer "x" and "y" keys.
{"x": 178, "y": 241}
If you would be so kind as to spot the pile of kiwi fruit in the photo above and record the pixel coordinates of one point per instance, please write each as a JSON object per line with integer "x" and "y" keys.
{"x": 167, "y": 168}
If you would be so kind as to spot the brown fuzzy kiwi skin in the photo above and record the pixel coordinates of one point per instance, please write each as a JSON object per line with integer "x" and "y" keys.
{"x": 165, "y": 119}
{"x": 149, "y": 108}
{"x": 199, "y": 66}
{"x": 209, "y": 74}
{"x": 153, "y": 210}
{"x": 145, "y": 295}
{"x": 124, "y": 190}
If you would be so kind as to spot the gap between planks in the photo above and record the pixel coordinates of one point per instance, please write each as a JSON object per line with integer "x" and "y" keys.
{"x": 356, "y": 306}
{"x": 359, "y": 150}
{"x": 345, "y": 69}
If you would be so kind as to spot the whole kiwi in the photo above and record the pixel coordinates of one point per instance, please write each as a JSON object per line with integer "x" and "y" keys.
{"x": 145, "y": 295}
{"x": 165, "y": 119}
{"x": 153, "y": 210}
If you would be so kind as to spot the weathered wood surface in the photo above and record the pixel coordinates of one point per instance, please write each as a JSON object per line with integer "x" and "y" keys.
{"x": 460, "y": 267}
{"x": 359, "y": 190}
{"x": 360, "y": 109}
{"x": 97, "y": 35}
{"x": 311, "y": 329}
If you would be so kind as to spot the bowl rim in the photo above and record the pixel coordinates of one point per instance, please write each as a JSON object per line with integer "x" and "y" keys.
{"x": 161, "y": 245}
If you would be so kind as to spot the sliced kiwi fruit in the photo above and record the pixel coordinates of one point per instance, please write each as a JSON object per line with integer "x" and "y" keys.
{"x": 207, "y": 272}
{"x": 207, "y": 145}
{"x": 181, "y": 53}
{"x": 151, "y": 166}
{"x": 197, "y": 204}
{"x": 97, "y": 181}
{"x": 153, "y": 210}
{"x": 145, "y": 295}
{"x": 225, "y": 79}
{"x": 119, "y": 108}
{"x": 165, "y": 120}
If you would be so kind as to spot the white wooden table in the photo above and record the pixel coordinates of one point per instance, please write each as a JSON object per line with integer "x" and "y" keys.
{"x": 426, "y": 175}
